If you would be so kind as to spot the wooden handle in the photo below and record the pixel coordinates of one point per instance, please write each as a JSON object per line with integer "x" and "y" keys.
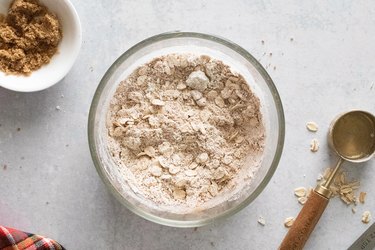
{"x": 305, "y": 222}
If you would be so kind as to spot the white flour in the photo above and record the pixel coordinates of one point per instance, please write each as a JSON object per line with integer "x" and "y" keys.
{"x": 186, "y": 132}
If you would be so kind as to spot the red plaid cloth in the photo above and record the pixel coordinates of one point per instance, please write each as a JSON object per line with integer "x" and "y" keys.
{"x": 12, "y": 239}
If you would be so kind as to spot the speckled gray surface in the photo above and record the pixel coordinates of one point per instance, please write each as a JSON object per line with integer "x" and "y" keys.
{"x": 51, "y": 187}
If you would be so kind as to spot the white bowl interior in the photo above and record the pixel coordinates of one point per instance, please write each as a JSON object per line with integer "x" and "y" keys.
{"x": 60, "y": 63}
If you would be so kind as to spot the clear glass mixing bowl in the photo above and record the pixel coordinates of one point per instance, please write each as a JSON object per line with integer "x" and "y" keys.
{"x": 242, "y": 62}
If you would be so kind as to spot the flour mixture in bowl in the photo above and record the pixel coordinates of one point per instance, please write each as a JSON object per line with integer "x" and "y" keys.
{"x": 186, "y": 132}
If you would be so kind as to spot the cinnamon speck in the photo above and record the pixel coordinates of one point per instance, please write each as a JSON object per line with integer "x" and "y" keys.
{"x": 5, "y": 167}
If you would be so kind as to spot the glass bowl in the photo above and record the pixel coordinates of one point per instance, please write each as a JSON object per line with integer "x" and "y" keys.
{"x": 242, "y": 62}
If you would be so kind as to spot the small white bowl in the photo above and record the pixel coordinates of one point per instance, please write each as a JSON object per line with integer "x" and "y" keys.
{"x": 61, "y": 62}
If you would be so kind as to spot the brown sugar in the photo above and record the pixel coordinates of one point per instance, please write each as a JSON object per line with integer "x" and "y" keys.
{"x": 29, "y": 36}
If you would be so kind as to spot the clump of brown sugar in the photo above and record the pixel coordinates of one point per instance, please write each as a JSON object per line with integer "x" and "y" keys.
{"x": 29, "y": 36}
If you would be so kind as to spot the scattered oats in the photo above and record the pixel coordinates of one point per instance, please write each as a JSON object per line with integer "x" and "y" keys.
{"x": 342, "y": 177}
{"x": 341, "y": 187}
{"x": 227, "y": 159}
{"x": 191, "y": 173}
{"x": 226, "y": 93}
{"x": 219, "y": 102}
{"x": 166, "y": 177}
{"x": 345, "y": 190}
{"x": 172, "y": 93}
{"x": 234, "y": 135}
{"x": 261, "y": 221}
{"x": 302, "y": 200}
{"x": 179, "y": 194}
{"x": 166, "y": 149}
{"x": 157, "y": 102}
{"x": 164, "y": 162}
{"x": 288, "y": 222}
{"x": 122, "y": 121}
{"x": 354, "y": 210}
{"x": 196, "y": 95}
{"x": 213, "y": 189}
{"x": 300, "y": 192}
{"x": 193, "y": 165}
{"x": 202, "y": 158}
{"x": 346, "y": 200}
{"x": 150, "y": 151}
{"x": 215, "y": 163}
{"x": 211, "y": 95}
{"x": 354, "y": 185}
{"x": 173, "y": 169}
{"x": 156, "y": 170}
{"x": 181, "y": 86}
{"x": 366, "y": 217}
{"x": 176, "y": 159}
{"x": 362, "y": 197}
{"x": 312, "y": 126}
{"x": 180, "y": 183}
{"x": 219, "y": 173}
{"x": 314, "y": 145}
{"x": 202, "y": 102}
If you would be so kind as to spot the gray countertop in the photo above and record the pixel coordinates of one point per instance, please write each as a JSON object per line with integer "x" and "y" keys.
{"x": 322, "y": 62}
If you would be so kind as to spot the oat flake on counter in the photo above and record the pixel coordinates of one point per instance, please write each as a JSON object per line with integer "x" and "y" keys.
{"x": 180, "y": 128}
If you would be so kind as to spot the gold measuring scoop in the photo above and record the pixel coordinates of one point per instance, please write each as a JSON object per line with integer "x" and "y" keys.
{"x": 352, "y": 137}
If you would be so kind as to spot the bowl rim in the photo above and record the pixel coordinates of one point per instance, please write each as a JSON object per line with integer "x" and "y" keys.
{"x": 172, "y": 35}
{"x": 46, "y": 83}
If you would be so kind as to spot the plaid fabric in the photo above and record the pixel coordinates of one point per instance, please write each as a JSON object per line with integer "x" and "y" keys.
{"x": 12, "y": 239}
